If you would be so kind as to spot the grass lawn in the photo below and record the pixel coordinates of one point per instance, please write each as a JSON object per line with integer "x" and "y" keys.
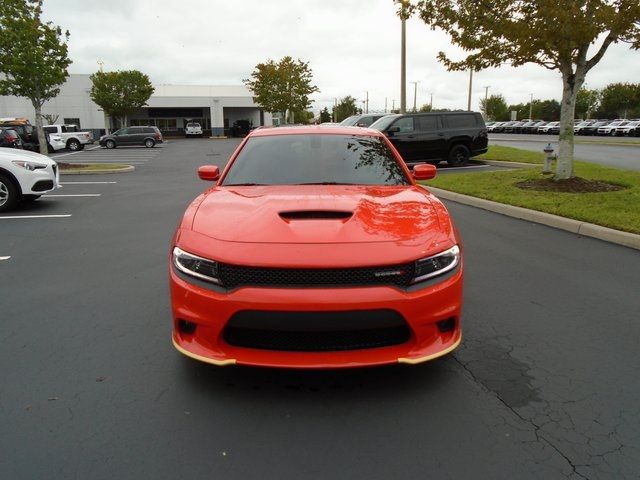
{"x": 619, "y": 210}
{"x": 511, "y": 154}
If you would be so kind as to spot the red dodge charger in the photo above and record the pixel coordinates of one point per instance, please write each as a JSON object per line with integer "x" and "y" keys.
{"x": 316, "y": 249}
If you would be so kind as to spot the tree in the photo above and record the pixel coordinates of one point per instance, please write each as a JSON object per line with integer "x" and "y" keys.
{"x": 495, "y": 108}
{"x": 426, "y": 108}
{"x": 345, "y": 108}
{"x": 620, "y": 100}
{"x": 120, "y": 93}
{"x": 325, "y": 116}
{"x": 587, "y": 102}
{"x": 282, "y": 87}
{"x": 556, "y": 35}
{"x": 33, "y": 56}
{"x": 51, "y": 118}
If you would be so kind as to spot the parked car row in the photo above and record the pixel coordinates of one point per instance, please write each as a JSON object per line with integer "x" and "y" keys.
{"x": 619, "y": 127}
{"x": 59, "y": 137}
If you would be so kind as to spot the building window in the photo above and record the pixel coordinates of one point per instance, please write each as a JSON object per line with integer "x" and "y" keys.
{"x": 72, "y": 121}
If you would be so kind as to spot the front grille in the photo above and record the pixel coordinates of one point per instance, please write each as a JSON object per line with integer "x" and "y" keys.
{"x": 316, "y": 331}
{"x": 42, "y": 185}
{"x": 233, "y": 276}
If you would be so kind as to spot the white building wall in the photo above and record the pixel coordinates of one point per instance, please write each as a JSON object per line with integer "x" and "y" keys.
{"x": 74, "y": 102}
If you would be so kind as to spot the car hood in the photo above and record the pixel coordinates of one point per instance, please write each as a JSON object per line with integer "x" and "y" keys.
{"x": 318, "y": 214}
{"x": 9, "y": 154}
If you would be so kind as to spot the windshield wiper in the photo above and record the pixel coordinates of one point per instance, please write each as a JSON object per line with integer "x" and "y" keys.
{"x": 324, "y": 183}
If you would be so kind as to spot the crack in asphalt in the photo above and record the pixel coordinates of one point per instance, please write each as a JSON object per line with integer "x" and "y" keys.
{"x": 538, "y": 433}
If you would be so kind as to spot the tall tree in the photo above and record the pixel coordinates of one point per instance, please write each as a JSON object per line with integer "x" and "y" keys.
{"x": 120, "y": 93}
{"x": 495, "y": 108}
{"x": 620, "y": 100}
{"x": 555, "y": 34}
{"x": 587, "y": 102}
{"x": 284, "y": 86}
{"x": 325, "y": 116}
{"x": 345, "y": 108}
{"x": 33, "y": 56}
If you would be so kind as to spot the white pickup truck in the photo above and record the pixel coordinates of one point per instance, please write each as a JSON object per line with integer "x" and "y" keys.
{"x": 193, "y": 129}
{"x": 74, "y": 139}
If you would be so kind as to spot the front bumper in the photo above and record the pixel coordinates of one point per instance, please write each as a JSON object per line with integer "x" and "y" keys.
{"x": 40, "y": 181}
{"x": 210, "y": 310}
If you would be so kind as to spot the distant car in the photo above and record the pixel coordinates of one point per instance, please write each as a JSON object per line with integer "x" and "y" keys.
{"x": 432, "y": 137}
{"x": 593, "y": 128}
{"x": 514, "y": 127}
{"x": 578, "y": 129}
{"x": 24, "y": 176}
{"x": 631, "y": 129}
{"x": 533, "y": 128}
{"x": 241, "y": 128}
{"x": 364, "y": 120}
{"x": 522, "y": 128}
{"x": 148, "y": 136}
{"x": 74, "y": 138}
{"x": 550, "y": 128}
{"x": 9, "y": 138}
{"x": 495, "y": 127}
{"x": 193, "y": 129}
{"x": 611, "y": 128}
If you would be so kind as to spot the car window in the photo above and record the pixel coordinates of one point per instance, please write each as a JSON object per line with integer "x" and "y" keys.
{"x": 463, "y": 121}
{"x": 50, "y": 129}
{"x": 382, "y": 123}
{"x": 316, "y": 159}
{"x": 405, "y": 124}
{"x": 427, "y": 123}
{"x": 123, "y": 131}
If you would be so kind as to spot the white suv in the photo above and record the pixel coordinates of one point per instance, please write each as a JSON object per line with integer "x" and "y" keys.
{"x": 193, "y": 129}
{"x": 25, "y": 176}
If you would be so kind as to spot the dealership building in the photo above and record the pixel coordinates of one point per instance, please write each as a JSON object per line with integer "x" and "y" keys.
{"x": 216, "y": 108}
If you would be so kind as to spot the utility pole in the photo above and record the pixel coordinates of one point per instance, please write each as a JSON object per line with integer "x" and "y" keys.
{"x": 470, "y": 86}
{"x": 431, "y": 101}
{"x": 385, "y": 104}
{"x": 415, "y": 94}
{"x": 393, "y": 105}
{"x": 367, "y": 102}
{"x": 531, "y": 106}
{"x": 486, "y": 96}
{"x": 335, "y": 110}
{"x": 403, "y": 59}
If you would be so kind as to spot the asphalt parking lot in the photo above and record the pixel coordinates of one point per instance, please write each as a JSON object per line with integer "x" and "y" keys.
{"x": 544, "y": 385}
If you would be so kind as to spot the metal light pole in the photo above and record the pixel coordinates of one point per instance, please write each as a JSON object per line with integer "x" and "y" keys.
{"x": 367, "y": 102}
{"x": 393, "y": 105}
{"x": 385, "y": 104}
{"x": 431, "y": 101}
{"x": 415, "y": 93}
{"x": 486, "y": 98}
{"x": 531, "y": 106}
{"x": 470, "y": 86}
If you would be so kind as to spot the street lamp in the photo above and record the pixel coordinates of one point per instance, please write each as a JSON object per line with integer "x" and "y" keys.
{"x": 486, "y": 97}
{"x": 531, "y": 106}
{"x": 415, "y": 93}
{"x": 470, "y": 85}
{"x": 403, "y": 54}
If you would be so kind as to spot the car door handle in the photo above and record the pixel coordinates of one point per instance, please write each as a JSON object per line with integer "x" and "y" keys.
{"x": 409, "y": 136}
{"x": 441, "y": 134}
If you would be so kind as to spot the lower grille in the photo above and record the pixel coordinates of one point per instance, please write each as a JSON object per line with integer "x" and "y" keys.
{"x": 316, "y": 331}
{"x": 42, "y": 185}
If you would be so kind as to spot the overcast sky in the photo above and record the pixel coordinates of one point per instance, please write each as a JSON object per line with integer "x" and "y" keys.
{"x": 353, "y": 46}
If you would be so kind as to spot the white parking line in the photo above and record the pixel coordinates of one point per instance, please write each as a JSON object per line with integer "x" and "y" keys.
{"x": 85, "y": 183}
{"x": 4, "y": 258}
{"x": 34, "y": 216}
{"x": 76, "y": 195}
{"x": 75, "y": 153}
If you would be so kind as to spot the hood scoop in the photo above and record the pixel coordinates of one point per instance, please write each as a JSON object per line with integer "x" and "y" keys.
{"x": 315, "y": 215}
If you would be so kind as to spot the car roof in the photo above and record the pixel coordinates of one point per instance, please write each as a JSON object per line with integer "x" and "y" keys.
{"x": 315, "y": 130}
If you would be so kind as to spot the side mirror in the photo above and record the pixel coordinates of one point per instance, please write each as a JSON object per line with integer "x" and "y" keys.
{"x": 209, "y": 172}
{"x": 424, "y": 171}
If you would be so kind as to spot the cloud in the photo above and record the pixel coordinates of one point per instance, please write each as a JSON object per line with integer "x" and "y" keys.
{"x": 352, "y": 47}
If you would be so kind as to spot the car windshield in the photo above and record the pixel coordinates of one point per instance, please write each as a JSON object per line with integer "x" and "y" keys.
{"x": 315, "y": 159}
{"x": 384, "y": 122}
{"x": 349, "y": 121}
{"x": 193, "y": 125}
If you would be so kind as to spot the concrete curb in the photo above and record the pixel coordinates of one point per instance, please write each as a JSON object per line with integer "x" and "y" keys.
{"x": 568, "y": 224}
{"x": 500, "y": 163}
{"x": 128, "y": 168}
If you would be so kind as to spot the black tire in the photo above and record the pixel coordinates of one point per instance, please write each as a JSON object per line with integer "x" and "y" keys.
{"x": 458, "y": 156}
{"x": 74, "y": 145}
{"x": 9, "y": 193}
{"x": 110, "y": 144}
{"x": 149, "y": 143}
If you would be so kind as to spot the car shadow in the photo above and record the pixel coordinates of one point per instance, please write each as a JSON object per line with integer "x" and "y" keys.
{"x": 343, "y": 384}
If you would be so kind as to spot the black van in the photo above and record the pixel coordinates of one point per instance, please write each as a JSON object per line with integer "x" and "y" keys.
{"x": 432, "y": 137}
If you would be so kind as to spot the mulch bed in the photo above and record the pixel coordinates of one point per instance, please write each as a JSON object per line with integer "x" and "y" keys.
{"x": 571, "y": 185}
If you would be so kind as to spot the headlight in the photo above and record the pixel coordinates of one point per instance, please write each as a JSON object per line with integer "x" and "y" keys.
{"x": 195, "y": 266}
{"x": 31, "y": 166}
{"x": 437, "y": 264}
